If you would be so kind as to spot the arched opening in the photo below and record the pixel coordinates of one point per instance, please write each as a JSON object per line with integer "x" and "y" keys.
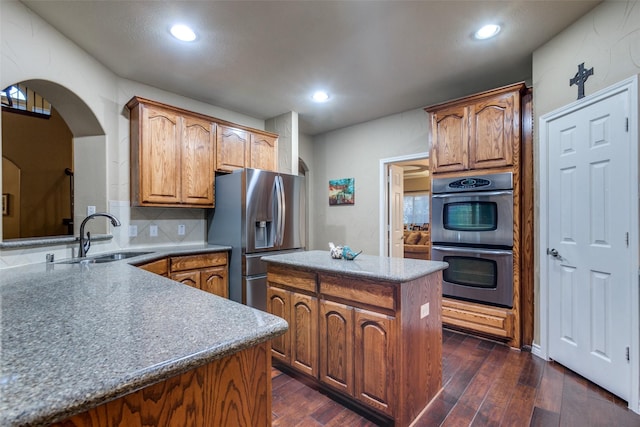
{"x": 56, "y": 158}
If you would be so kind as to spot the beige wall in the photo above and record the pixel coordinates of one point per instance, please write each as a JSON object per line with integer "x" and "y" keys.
{"x": 355, "y": 152}
{"x": 607, "y": 39}
{"x": 42, "y": 150}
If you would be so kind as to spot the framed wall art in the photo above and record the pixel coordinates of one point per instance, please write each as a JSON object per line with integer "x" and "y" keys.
{"x": 341, "y": 191}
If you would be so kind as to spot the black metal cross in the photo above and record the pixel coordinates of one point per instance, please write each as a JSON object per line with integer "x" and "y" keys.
{"x": 580, "y": 78}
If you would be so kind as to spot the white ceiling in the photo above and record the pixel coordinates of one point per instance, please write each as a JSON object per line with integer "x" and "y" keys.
{"x": 265, "y": 58}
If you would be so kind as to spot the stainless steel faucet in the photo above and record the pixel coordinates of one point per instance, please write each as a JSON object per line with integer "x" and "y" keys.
{"x": 85, "y": 243}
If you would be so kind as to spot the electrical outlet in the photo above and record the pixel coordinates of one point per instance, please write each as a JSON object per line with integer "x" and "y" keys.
{"x": 133, "y": 230}
{"x": 424, "y": 310}
{"x": 91, "y": 210}
{"x": 181, "y": 230}
{"x": 153, "y": 231}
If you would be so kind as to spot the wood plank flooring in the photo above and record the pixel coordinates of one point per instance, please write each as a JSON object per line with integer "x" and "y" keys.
{"x": 485, "y": 384}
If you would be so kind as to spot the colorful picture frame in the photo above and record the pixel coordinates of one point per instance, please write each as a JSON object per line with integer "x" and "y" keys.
{"x": 342, "y": 191}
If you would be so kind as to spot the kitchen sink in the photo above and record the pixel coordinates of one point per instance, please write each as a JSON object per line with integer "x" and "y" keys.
{"x": 110, "y": 257}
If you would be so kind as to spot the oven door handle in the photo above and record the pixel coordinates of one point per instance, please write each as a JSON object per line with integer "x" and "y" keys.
{"x": 473, "y": 194}
{"x": 476, "y": 250}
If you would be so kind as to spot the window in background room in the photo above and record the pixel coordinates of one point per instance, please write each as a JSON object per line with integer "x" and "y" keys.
{"x": 416, "y": 208}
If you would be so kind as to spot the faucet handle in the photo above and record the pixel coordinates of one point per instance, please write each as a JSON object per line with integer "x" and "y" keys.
{"x": 87, "y": 242}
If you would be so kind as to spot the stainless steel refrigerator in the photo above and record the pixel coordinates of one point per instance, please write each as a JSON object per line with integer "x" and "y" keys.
{"x": 257, "y": 213}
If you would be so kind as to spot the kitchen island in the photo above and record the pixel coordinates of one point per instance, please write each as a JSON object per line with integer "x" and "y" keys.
{"x": 110, "y": 344}
{"x": 368, "y": 331}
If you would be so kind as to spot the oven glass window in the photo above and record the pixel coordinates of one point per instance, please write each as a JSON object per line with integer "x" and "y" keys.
{"x": 471, "y": 216}
{"x": 471, "y": 271}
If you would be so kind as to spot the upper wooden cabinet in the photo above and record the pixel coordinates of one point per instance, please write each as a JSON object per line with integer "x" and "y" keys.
{"x": 478, "y": 132}
{"x": 238, "y": 148}
{"x": 175, "y": 154}
{"x": 233, "y": 146}
{"x": 172, "y": 156}
{"x": 263, "y": 152}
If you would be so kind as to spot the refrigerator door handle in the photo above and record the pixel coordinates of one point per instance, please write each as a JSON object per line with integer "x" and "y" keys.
{"x": 277, "y": 241}
{"x": 283, "y": 210}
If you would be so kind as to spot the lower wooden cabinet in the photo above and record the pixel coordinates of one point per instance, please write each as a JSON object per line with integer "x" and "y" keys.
{"x": 297, "y": 347}
{"x": 208, "y": 272}
{"x": 375, "y": 353}
{"x": 369, "y": 341}
{"x": 336, "y": 346}
{"x": 496, "y": 322}
{"x": 357, "y": 353}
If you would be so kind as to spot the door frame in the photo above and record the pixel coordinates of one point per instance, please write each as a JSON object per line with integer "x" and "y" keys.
{"x": 542, "y": 350}
{"x": 383, "y": 247}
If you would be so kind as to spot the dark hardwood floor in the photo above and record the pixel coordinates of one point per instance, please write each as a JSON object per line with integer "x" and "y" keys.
{"x": 485, "y": 384}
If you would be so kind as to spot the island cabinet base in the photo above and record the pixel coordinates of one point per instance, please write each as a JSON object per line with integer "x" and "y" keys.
{"x": 233, "y": 391}
{"x": 376, "y": 343}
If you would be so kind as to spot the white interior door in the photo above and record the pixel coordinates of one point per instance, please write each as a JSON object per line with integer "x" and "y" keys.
{"x": 396, "y": 211}
{"x": 589, "y": 257}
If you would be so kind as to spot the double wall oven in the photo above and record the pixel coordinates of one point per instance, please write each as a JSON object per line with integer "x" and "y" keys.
{"x": 472, "y": 230}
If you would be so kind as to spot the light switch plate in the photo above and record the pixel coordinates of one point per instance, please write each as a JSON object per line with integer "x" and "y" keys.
{"x": 181, "y": 230}
{"x": 424, "y": 310}
{"x": 133, "y": 230}
{"x": 91, "y": 210}
{"x": 153, "y": 230}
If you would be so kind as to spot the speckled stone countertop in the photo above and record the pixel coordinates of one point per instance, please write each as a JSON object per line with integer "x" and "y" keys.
{"x": 76, "y": 335}
{"x": 367, "y": 266}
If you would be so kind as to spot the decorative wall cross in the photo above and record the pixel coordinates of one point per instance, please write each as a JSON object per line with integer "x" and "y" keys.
{"x": 580, "y": 78}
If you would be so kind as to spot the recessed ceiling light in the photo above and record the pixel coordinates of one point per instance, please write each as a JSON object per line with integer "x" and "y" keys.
{"x": 182, "y": 32}
{"x": 320, "y": 96}
{"x": 487, "y": 32}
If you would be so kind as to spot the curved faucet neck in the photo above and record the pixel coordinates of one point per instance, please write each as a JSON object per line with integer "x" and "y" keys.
{"x": 85, "y": 244}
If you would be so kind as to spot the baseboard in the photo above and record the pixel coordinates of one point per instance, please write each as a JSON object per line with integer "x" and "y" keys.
{"x": 536, "y": 350}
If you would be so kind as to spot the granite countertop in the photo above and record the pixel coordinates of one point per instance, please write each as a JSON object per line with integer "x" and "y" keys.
{"x": 76, "y": 335}
{"x": 366, "y": 266}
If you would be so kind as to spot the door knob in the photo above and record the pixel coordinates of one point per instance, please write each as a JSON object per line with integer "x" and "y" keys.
{"x": 554, "y": 253}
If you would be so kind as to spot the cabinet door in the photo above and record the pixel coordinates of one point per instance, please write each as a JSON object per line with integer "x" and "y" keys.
{"x": 495, "y": 130}
{"x": 336, "y": 346}
{"x": 160, "y": 156}
{"x": 198, "y": 162}
{"x": 232, "y": 148}
{"x": 191, "y": 278}
{"x": 215, "y": 280}
{"x": 374, "y": 343}
{"x": 278, "y": 304}
{"x": 304, "y": 333}
{"x": 450, "y": 141}
{"x": 263, "y": 152}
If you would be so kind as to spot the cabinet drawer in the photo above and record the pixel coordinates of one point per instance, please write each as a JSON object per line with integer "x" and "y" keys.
{"x": 297, "y": 279}
{"x": 160, "y": 266}
{"x": 190, "y": 262}
{"x": 359, "y": 292}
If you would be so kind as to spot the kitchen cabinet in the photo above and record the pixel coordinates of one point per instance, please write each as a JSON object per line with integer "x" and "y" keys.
{"x": 263, "y": 152}
{"x": 359, "y": 337}
{"x": 298, "y": 346}
{"x": 478, "y": 132}
{"x": 238, "y": 149}
{"x": 357, "y": 353}
{"x": 208, "y": 272}
{"x": 234, "y": 390}
{"x": 232, "y": 146}
{"x": 172, "y": 156}
{"x": 486, "y": 133}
